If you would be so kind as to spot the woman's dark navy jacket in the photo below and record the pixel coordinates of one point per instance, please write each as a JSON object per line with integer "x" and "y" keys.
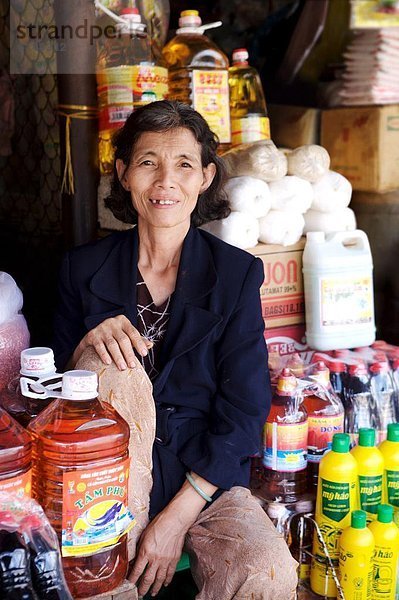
{"x": 213, "y": 391}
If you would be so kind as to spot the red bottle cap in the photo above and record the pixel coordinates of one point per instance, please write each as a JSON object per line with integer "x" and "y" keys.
{"x": 336, "y": 366}
{"x": 240, "y": 55}
{"x": 357, "y": 369}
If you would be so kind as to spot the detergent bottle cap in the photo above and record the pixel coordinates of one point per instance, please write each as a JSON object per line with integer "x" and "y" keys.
{"x": 393, "y": 432}
{"x": 358, "y": 519}
{"x": 385, "y": 513}
{"x": 341, "y": 442}
{"x": 366, "y": 436}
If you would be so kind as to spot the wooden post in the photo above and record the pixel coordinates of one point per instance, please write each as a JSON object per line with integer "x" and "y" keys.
{"x": 77, "y": 87}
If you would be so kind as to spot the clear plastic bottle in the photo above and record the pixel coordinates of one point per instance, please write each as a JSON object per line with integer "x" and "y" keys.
{"x": 285, "y": 446}
{"x": 198, "y": 73}
{"x": 370, "y": 465}
{"x": 338, "y": 376}
{"x": 248, "y": 113}
{"x": 383, "y": 392}
{"x": 325, "y": 418}
{"x": 129, "y": 74}
{"x": 15, "y": 457}
{"x": 360, "y": 406}
{"x": 36, "y": 363}
{"x": 336, "y": 499}
{"x": 80, "y": 477}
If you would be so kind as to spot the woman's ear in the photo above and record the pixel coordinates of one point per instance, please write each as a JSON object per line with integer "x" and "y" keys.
{"x": 209, "y": 173}
{"x": 121, "y": 169}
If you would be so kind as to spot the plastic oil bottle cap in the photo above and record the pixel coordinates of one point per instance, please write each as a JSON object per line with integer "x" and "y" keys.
{"x": 393, "y": 432}
{"x": 358, "y": 519}
{"x": 189, "y": 18}
{"x": 341, "y": 442}
{"x": 79, "y": 385}
{"x": 36, "y": 362}
{"x": 366, "y": 436}
{"x": 385, "y": 513}
{"x": 240, "y": 55}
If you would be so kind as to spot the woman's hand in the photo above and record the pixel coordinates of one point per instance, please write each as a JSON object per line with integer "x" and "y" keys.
{"x": 114, "y": 340}
{"x": 158, "y": 553}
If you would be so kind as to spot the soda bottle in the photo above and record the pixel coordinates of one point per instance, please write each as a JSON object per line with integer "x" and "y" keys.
{"x": 80, "y": 477}
{"x": 383, "y": 392}
{"x": 336, "y": 499}
{"x": 248, "y": 113}
{"x": 390, "y": 485}
{"x": 360, "y": 406}
{"x": 356, "y": 551}
{"x": 386, "y": 538}
{"x": 325, "y": 418}
{"x": 198, "y": 73}
{"x": 129, "y": 73}
{"x": 370, "y": 466}
{"x": 45, "y": 561}
{"x": 15, "y": 575}
{"x": 15, "y": 457}
{"x": 285, "y": 444}
{"x": 338, "y": 377}
{"x": 36, "y": 363}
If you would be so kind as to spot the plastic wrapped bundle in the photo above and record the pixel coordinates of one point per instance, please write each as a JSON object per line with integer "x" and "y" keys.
{"x": 281, "y": 227}
{"x": 238, "y": 229}
{"x": 332, "y": 192}
{"x": 14, "y": 334}
{"x": 339, "y": 220}
{"x": 309, "y": 162}
{"x": 249, "y": 195}
{"x": 260, "y": 159}
{"x": 292, "y": 194}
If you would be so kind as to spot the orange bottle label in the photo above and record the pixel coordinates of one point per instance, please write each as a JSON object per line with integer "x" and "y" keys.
{"x": 211, "y": 99}
{"x": 95, "y": 512}
{"x": 320, "y": 435}
{"x": 20, "y": 485}
{"x": 285, "y": 446}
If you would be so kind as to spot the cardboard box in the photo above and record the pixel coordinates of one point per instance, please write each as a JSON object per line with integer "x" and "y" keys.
{"x": 363, "y": 143}
{"x": 293, "y": 126}
{"x": 282, "y": 291}
{"x": 283, "y": 341}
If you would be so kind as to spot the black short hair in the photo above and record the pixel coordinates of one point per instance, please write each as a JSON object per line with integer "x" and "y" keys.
{"x": 165, "y": 115}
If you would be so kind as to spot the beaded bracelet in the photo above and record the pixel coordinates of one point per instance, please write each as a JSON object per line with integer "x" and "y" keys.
{"x": 197, "y": 488}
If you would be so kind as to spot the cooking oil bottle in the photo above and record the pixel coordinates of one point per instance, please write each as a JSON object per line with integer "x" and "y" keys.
{"x": 356, "y": 551}
{"x": 15, "y": 457}
{"x": 325, "y": 419}
{"x": 286, "y": 433}
{"x": 390, "y": 450}
{"x": 370, "y": 466}
{"x": 129, "y": 74}
{"x": 386, "y": 537}
{"x": 336, "y": 499}
{"x": 198, "y": 73}
{"x": 248, "y": 113}
{"x": 80, "y": 478}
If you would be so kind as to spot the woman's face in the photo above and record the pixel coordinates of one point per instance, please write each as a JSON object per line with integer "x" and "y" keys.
{"x": 166, "y": 176}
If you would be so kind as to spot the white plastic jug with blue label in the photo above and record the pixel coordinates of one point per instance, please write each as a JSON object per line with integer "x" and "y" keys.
{"x": 338, "y": 283}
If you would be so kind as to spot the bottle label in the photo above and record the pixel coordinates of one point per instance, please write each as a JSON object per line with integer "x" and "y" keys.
{"x": 320, "y": 435}
{"x": 346, "y": 301}
{"x": 370, "y": 493}
{"x": 384, "y": 572}
{"x": 392, "y": 483}
{"x": 249, "y": 129}
{"x": 285, "y": 446}
{"x": 95, "y": 511}
{"x": 20, "y": 486}
{"x": 356, "y": 571}
{"x": 120, "y": 89}
{"x": 211, "y": 99}
{"x": 335, "y": 500}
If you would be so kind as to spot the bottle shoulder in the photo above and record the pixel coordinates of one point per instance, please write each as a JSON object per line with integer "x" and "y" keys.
{"x": 193, "y": 50}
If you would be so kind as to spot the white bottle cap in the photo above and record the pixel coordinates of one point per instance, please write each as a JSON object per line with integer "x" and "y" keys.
{"x": 79, "y": 385}
{"x": 276, "y": 510}
{"x": 37, "y": 362}
{"x": 189, "y": 18}
{"x": 240, "y": 55}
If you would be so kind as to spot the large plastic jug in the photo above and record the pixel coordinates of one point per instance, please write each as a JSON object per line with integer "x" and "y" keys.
{"x": 15, "y": 457}
{"x": 80, "y": 478}
{"x": 338, "y": 283}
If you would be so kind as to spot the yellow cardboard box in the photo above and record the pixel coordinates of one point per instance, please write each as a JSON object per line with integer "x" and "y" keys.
{"x": 363, "y": 142}
{"x": 293, "y": 126}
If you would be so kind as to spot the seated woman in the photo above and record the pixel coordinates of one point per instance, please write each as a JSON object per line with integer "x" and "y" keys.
{"x": 188, "y": 304}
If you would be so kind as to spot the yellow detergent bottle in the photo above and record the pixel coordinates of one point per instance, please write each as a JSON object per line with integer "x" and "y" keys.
{"x": 336, "y": 499}
{"x": 386, "y": 538}
{"x": 356, "y": 551}
{"x": 390, "y": 485}
{"x": 370, "y": 466}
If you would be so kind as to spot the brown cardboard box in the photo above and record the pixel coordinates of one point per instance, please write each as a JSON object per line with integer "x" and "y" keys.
{"x": 282, "y": 292}
{"x": 363, "y": 143}
{"x": 293, "y": 126}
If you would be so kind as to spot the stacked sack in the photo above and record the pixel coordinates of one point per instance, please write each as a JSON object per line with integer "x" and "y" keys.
{"x": 276, "y": 196}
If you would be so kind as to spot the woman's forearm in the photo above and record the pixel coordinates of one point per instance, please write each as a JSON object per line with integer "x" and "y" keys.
{"x": 188, "y": 503}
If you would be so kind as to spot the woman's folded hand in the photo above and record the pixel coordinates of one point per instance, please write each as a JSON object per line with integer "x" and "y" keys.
{"x": 114, "y": 340}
